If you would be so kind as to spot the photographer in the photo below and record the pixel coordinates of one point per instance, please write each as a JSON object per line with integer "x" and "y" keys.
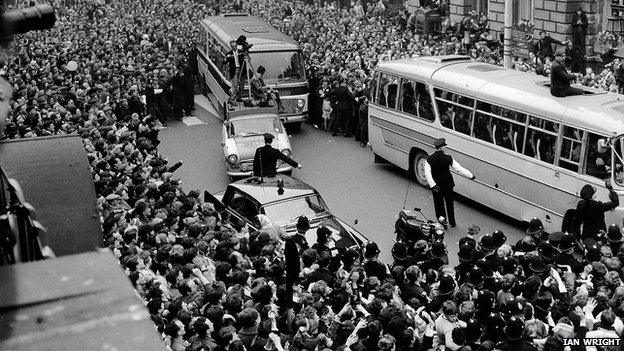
{"x": 235, "y": 60}
{"x": 260, "y": 91}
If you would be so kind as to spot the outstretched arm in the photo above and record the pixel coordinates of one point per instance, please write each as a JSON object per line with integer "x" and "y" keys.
{"x": 461, "y": 170}
{"x": 286, "y": 159}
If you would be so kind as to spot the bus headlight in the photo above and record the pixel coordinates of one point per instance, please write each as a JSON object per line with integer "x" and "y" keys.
{"x": 233, "y": 159}
{"x": 300, "y": 103}
{"x": 286, "y": 152}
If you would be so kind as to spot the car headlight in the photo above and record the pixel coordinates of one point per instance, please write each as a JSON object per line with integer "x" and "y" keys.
{"x": 232, "y": 159}
{"x": 300, "y": 103}
{"x": 286, "y": 152}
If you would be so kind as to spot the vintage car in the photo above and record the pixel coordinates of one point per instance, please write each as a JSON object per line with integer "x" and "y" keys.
{"x": 284, "y": 199}
{"x": 242, "y": 135}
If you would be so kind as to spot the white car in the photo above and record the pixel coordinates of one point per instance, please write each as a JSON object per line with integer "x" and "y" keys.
{"x": 242, "y": 135}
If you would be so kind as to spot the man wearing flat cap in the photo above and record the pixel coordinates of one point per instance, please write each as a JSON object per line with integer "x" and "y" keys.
{"x": 560, "y": 78}
{"x": 438, "y": 175}
{"x": 265, "y": 159}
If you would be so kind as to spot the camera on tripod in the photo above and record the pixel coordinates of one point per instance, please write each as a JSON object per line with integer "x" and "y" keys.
{"x": 244, "y": 45}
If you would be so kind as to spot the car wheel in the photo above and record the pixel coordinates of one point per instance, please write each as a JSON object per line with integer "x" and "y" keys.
{"x": 288, "y": 173}
{"x": 418, "y": 168}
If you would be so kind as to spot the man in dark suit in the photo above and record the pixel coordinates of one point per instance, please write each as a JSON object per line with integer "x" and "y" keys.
{"x": 344, "y": 108}
{"x": 235, "y": 60}
{"x": 438, "y": 174}
{"x": 579, "y": 28}
{"x": 543, "y": 47}
{"x": 560, "y": 78}
{"x": 590, "y": 212}
{"x": 265, "y": 159}
{"x": 579, "y": 32}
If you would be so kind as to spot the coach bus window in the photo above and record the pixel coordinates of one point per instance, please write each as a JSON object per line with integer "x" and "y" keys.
{"x": 446, "y": 116}
{"x": 517, "y": 128}
{"x": 425, "y": 107}
{"x": 619, "y": 161}
{"x": 458, "y": 108}
{"x": 597, "y": 159}
{"x": 408, "y": 97}
{"x": 541, "y": 139}
{"x": 373, "y": 88}
{"x": 388, "y": 90}
{"x": 571, "y": 148}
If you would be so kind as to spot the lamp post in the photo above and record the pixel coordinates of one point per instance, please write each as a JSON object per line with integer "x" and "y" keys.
{"x": 507, "y": 33}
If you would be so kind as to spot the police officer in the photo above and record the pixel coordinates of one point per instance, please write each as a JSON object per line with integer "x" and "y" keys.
{"x": 265, "y": 159}
{"x": 440, "y": 179}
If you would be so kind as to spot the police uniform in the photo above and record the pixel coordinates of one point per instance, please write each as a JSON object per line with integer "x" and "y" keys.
{"x": 265, "y": 159}
{"x": 440, "y": 179}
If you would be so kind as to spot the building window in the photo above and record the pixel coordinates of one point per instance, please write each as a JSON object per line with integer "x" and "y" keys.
{"x": 522, "y": 10}
{"x": 480, "y": 6}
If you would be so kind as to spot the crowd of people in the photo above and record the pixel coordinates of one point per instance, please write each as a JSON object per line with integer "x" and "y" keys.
{"x": 210, "y": 281}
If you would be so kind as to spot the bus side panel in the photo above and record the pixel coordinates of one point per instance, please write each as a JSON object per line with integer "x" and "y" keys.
{"x": 512, "y": 184}
{"x": 392, "y": 135}
{"x": 516, "y": 185}
{"x": 218, "y": 87}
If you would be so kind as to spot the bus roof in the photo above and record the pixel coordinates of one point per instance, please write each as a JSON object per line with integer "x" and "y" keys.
{"x": 56, "y": 179}
{"x": 596, "y": 111}
{"x": 259, "y": 33}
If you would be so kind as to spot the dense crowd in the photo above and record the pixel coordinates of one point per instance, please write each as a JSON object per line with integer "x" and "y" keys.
{"x": 111, "y": 70}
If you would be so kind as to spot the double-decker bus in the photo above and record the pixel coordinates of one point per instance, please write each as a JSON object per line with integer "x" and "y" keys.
{"x": 279, "y": 54}
{"x": 531, "y": 152}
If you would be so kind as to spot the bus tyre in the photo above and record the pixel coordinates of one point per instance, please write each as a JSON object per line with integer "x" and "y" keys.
{"x": 294, "y": 127}
{"x": 418, "y": 168}
{"x": 379, "y": 159}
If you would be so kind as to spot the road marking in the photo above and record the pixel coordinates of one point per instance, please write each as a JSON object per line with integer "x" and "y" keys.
{"x": 192, "y": 121}
{"x": 204, "y": 103}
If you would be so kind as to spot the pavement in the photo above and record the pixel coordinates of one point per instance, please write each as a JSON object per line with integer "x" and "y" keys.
{"x": 354, "y": 188}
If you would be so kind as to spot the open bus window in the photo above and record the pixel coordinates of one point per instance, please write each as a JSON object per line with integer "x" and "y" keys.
{"x": 388, "y": 90}
{"x": 571, "y": 148}
{"x": 425, "y": 107}
{"x": 619, "y": 161}
{"x": 408, "y": 98}
{"x": 446, "y": 115}
{"x": 597, "y": 160}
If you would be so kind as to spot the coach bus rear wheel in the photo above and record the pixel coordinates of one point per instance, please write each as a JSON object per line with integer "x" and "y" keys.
{"x": 294, "y": 127}
{"x": 418, "y": 167}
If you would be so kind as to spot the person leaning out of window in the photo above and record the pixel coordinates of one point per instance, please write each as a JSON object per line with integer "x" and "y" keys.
{"x": 590, "y": 212}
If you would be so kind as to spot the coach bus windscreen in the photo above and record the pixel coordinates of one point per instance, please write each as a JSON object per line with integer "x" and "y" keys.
{"x": 281, "y": 66}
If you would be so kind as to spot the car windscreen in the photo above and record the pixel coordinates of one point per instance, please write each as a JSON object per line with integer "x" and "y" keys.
{"x": 255, "y": 126}
{"x": 286, "y": 212}
{"x": 281, "y": 66}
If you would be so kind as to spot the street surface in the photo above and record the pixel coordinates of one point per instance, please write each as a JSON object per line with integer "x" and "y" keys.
{"x": 343, "y": 172}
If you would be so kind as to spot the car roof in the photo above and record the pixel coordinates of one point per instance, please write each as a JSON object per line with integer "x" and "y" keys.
{"x": 266, "y": 192}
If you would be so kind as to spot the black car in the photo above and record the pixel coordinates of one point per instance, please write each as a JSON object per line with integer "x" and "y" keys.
{"x": 284, "y": 199}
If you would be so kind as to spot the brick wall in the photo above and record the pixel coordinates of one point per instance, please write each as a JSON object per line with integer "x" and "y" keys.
{"x": 553, "y": 16}
{"x": 459, "y": 8}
